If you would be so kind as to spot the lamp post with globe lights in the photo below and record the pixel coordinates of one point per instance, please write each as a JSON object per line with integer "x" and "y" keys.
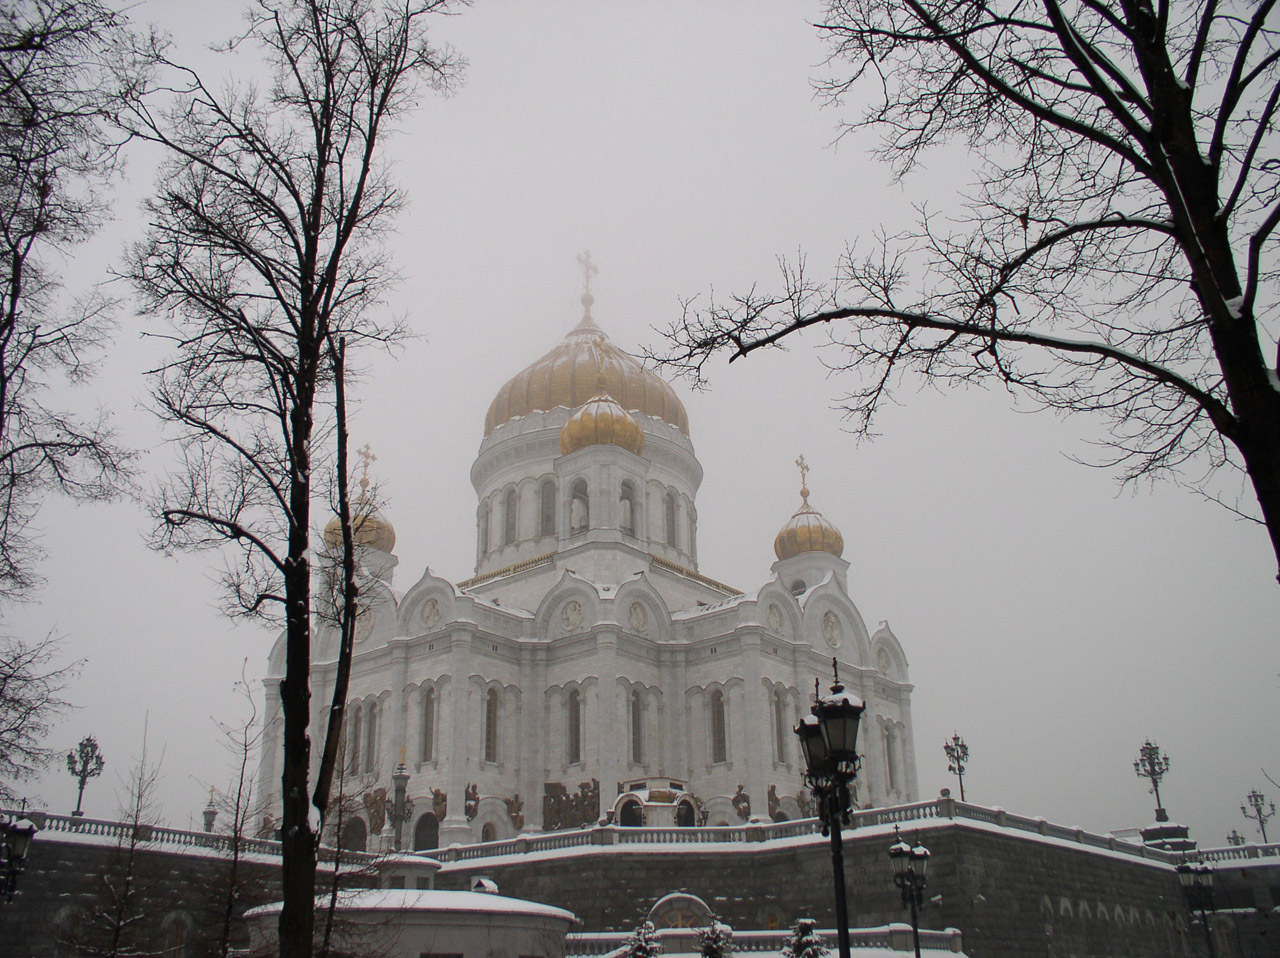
{"x": 15, "y": 840}
{"x": 829, "y": 740}
{"x": 1257, "y": 810}
{"x": 400, "y": 807}
{"x": 910, "y": 868}
{"x": 957, "y": 754}
{"x": 1196, "y": 879}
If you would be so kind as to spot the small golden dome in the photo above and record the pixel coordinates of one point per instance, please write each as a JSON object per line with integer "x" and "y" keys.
{"x": 571, "y": 375}
{"x": 601, "y": 421}
{"x": 369, "y": 528}
{"x": 807, "y": 530}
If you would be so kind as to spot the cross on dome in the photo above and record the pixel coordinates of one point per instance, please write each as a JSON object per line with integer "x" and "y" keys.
{"x": 589, "y": 269}
{"x": 804, "y": 477}
{"x": 367, "y": 458}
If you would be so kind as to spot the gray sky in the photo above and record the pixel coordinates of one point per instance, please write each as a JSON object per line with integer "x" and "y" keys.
{"x": 1052, "y": 619}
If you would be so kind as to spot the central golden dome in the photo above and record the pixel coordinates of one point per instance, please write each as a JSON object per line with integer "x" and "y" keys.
{"x": 573, "y": 373}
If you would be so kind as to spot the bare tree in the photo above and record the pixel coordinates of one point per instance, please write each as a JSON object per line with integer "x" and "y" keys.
{"x": 241, "y": 887}
{"x": 1117, "y": 253}
{"x": 31, "y": 687}
{"x": 263, "y": 253}
{"x": 62, "y": 74}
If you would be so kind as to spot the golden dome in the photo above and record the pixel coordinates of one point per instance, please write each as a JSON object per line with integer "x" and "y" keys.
{"x": 807, "y": 531}
{"x": 601, "y": 421}
{"x": 369, "y": 528}
{"x": 571, "y": 375}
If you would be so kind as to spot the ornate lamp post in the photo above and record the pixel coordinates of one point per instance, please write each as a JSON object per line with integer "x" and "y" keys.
{"x": 909, "y": 874}
{"x": 957, "y": 755}
{"x": 829, "y": 740}
{"x": 1235, "y": 838}
{"x": 1152, "y": 764}
{"x": 1197, "y": 884}
{"x": 17, "y": 836}
{"x": 400, "y": 808}
{"x": 1257, "y": 811}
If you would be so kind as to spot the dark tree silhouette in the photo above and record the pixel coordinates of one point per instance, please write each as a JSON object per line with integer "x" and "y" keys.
{"x": 263, "y": 253}
{"x": 63, "y": 71}
{"x": 1117, "y": 253}
{"x": 31, "y": 687}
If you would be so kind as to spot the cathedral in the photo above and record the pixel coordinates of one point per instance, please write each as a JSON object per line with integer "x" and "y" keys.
{"x": 589, "y": 670}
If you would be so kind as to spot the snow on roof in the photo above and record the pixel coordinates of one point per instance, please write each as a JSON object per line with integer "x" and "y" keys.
{"x": 433, "y": 901}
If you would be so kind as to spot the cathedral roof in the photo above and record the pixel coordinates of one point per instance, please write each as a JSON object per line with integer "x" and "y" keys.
{"x": 370, "y": 528}
{"x": 807, "y": 530}
{"x": 601, "y": 421}
{"x": 585, "y": 364}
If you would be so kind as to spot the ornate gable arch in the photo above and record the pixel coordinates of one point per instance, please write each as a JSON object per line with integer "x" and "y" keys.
{"x": 640, "y": 609}
{"x": 833, "y": 624}
{"x": 570, "y": 607}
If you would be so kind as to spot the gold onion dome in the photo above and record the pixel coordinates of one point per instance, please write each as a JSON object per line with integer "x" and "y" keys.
{"x": 573, "y": 375}
{"x": 369, "y": 527}
{"x": 601, "y": 421}
{"x": 808, "y": 530}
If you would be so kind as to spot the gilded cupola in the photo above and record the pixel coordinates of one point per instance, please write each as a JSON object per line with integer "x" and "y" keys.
{"x": 601, "y": 421}
{"x": 370, "y": 528}
{"x": 807, "y": 530}
{"x": 573, "y": 374}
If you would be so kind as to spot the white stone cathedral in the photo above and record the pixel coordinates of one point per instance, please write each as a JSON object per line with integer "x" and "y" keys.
{"x": 589, "y": 670}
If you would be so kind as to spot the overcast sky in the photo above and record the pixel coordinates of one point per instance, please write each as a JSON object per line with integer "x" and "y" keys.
{"x": 1051, "y": 618}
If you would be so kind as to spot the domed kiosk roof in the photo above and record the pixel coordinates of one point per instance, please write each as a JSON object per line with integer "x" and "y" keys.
{"x": 585, "y": 364}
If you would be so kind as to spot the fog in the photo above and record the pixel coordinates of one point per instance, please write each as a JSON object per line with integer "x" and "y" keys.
{"x": 1051, "y": 618}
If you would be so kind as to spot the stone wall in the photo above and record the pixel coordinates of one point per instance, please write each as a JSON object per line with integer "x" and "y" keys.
{"x": 1011, "y": 894}
{"x": 71, "y": 900}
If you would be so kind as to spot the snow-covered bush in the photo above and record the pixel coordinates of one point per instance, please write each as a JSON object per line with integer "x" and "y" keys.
{"x": 804, "y": 941}
{"x": 643, "y": 942}
{"x": 716, "y": 940}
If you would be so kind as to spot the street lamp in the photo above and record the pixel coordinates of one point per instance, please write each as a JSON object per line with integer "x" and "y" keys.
{"x": 957, "y": 754}
{"x": 1257, "y": 810}
{"x": 829, "y": 741}
{"x": 17, "y": 836}
{"x": 1197, "y": 884}
{"x": 910, "y": 867}
{"x": 400, "y": 808}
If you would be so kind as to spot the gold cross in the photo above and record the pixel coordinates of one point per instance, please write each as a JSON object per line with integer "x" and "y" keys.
{"x": 804, "y": 471}
{"x": 589, "y": 269}
{"x": 367, "y": 457}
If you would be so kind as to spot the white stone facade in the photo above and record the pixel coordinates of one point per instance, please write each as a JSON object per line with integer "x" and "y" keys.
{"x": 589, "y": 648}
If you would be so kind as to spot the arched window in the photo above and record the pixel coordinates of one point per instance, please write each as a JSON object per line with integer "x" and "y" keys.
{"x": 631, "y": 815}
{"x": 574, "y": 720}
{"x": 488, "y": 833}
{"x": 780, "y": 728}
{"x": 426, "y": 834}
{"x": 484, "y": 528}
{"x": 491, "y": 726}
{"x": 509, "y": 518}
{"x": 428, "y": 725}
{"x": 547, "y": 518}
{"x": 890, "y": 757}
{"x": 669, "y": 512}
{"x": 719, "y": 734}
{"x": 686, "y": 817}
{"x": 353, "y": 740}
{"x": 579, "y": 508}
{"x": 371, "y": 739}
{"x": 637, "y": 727}
{"x": 355, "y": 837}
{"x": 627, "y": 508}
